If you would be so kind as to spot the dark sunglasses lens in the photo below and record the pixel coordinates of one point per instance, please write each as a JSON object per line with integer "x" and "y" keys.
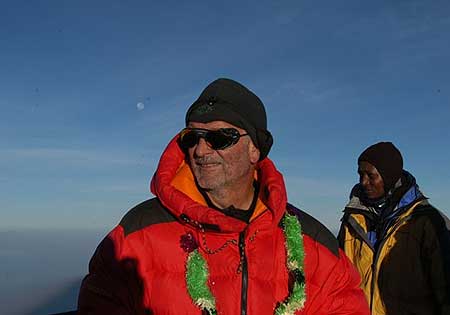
{"x": 218, "y": 140}
{"x": 189, "y": 139}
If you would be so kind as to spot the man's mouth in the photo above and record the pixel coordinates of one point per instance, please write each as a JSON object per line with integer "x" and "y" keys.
{"x": 207, "y": 165}
{"x": 370, "y": 193}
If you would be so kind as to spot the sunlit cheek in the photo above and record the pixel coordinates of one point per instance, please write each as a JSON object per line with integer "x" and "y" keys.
{"x": 237, "y": 167}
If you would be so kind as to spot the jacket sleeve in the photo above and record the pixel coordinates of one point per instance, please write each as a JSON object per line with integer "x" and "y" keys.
{"x": 436, "y": 260}
{"x": 332, "y": 282}
{"x": 344, "y": 295}
{"x": 112, "y": 285}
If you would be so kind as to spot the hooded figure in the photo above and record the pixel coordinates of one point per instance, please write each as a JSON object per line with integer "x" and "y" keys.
{"x": 397, "y": 240}
{"x": 220, "y": 237}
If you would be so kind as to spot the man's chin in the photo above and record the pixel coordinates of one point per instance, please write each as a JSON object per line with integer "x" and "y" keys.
{"x": 372, "y": 196}
{"x": 207, "y": 186}
{"x": 207, "y": 182}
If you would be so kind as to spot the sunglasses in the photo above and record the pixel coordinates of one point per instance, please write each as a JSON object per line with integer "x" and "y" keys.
{"x": 216, "y": 139}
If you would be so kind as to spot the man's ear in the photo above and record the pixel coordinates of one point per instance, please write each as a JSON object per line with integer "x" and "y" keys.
{"x": 253, "y": 153}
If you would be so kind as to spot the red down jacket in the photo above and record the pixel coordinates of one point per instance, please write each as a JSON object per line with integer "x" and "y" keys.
{"x": 139, "y": 268}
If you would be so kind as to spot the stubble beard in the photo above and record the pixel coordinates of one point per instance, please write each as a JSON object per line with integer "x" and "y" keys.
{"x": 210, "y": 180}
{"x": 220, "y": 180}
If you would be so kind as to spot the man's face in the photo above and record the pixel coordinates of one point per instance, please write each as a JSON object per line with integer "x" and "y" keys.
{"x": 227, "y": 168}
{"x": 370, "y": 180}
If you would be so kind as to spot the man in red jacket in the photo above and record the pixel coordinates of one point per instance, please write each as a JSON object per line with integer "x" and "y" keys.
{"x": 220, "y": 237}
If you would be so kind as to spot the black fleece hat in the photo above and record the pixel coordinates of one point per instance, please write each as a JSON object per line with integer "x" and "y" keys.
{"x": 230, "y": 101}
{"x": 388, "y": 161}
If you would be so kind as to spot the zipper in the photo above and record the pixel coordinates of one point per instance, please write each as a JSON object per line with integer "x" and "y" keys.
{"x": 244, "y": 271}
{"x": 377, "y": 254}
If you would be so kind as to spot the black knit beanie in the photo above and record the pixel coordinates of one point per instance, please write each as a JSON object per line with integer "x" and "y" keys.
{"x": 230, "y": 101}
{"x": 388, "y": 161}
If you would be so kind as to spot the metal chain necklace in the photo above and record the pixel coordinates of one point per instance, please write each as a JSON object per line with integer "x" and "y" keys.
{"x": 197, "y": 273}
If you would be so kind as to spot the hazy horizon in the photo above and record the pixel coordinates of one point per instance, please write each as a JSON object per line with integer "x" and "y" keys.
{"x": 42, "y": 270}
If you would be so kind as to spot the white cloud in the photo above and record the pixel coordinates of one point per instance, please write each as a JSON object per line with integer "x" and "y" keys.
{"x": 294, "y": 89}
{"x": 9, "y": 253}
{"x": 133, "y": 187}
{"x": 67, "y": 155}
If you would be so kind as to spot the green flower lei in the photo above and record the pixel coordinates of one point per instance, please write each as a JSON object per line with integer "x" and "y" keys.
{"x": 197, "y": 273}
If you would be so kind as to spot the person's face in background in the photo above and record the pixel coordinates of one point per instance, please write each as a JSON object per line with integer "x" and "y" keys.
{"x": 370, "y": 180}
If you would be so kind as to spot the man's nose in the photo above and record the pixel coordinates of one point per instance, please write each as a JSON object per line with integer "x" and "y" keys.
{"x": 202, "y": 148}
{"x": 364, "y": 181}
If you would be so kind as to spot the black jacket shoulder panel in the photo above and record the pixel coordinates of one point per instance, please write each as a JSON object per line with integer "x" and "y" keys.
{"x": 316, "y": 230}
{"x": 144, "y": 214}
{"x": 441, "y": 224}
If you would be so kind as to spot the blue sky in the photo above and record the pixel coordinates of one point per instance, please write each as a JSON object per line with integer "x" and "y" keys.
{"x": 77, "y": 151}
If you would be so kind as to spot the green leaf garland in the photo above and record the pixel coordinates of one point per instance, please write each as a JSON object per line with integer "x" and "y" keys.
{"x": 196, "y": 280}
{"x": 293, "y": 242}
{"x": 197, "y": 273}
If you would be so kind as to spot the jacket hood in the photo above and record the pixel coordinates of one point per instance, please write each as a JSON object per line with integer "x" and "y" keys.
{"x": 404, "y": 195}
{"x": 186, "y": 208}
